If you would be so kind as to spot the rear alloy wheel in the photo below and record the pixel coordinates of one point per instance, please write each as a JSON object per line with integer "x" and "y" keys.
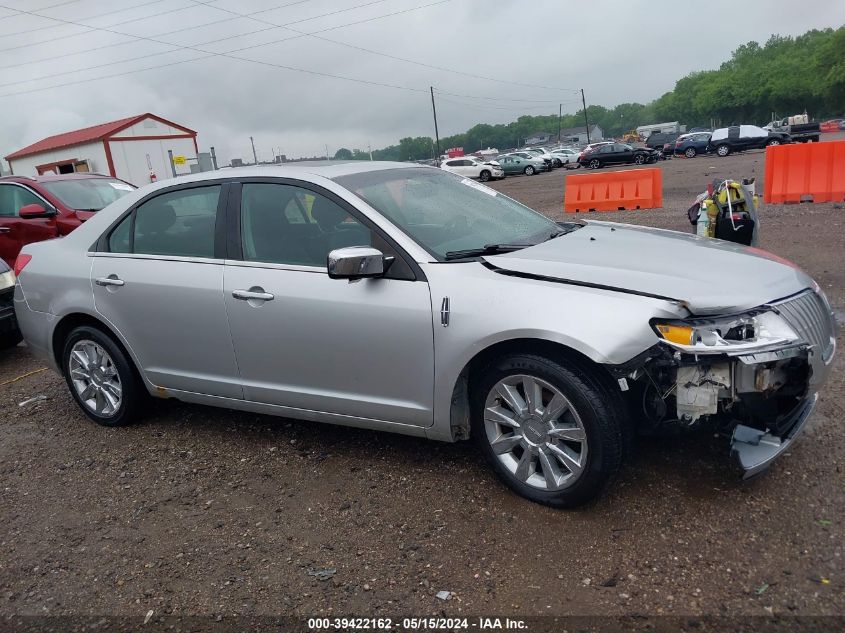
{"x": 100, "y": 377}
{"x": 529, "y": 171}
{"x": 484, "y": 176}
{"x": 690, "y": 152}
{"x": 723, "y": 150}
{"x": 552, "y": 433}
{"x": 594, "y": 164}
{"x": 639, "y": 159}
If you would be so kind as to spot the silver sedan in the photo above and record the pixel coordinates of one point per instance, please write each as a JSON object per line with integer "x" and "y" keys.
{"x": 404, "y": 298}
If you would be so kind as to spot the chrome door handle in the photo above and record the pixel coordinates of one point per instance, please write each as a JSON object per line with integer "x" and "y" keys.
{"x": 109, "y": 281}
{"x": 4, "y": 229}
{"x": 251, "y": 295}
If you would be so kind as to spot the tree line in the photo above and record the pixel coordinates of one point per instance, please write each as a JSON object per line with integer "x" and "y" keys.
{"x": 784, "y": 76}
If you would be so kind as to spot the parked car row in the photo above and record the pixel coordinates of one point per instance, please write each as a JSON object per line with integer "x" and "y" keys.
{"x": 527, "y": 161}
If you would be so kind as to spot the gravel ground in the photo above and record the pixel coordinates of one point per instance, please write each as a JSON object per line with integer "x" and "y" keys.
{"x": 204, "y": 511}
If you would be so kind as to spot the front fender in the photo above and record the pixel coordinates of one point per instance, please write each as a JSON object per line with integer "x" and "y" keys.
{"x": 485, "y": 308}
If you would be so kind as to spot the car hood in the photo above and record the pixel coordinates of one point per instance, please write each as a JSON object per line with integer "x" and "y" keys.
{"x": 709, "y": 276}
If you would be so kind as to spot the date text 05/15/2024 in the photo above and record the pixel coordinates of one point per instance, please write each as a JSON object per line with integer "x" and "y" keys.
{"x": 417, "y": 624}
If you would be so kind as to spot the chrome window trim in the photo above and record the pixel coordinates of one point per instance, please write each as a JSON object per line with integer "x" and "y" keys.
{"x": 303, "y": 268}
{"x": 166, "y": 258}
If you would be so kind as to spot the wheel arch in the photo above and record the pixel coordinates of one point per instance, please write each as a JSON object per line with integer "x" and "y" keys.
{"x": 459, "y": 412}
{"x": 73, "y": 320}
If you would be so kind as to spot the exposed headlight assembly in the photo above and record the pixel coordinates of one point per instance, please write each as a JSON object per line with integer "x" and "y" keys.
{"x": 726, "y": 335}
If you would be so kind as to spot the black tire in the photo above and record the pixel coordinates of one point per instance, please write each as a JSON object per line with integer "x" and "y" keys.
{"x": 484, "y": 176}
{"x": 690, "y": 152}
{"x": 594, "y": 164}
{"x": 640, "y": 159}
{"x": 773, "y": 142}
{"x": 723, "y": 150}
{"x": 133, "y": 394}
{"x": 599, "y": 407}
{"x": 10, "y": 339}
{"x": 529, "y": 171}
{"x": 557, "y": 163}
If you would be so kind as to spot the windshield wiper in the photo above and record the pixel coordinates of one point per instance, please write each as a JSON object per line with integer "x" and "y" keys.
{"x": 92, "y": 209}
{"x": 488, "y": 249}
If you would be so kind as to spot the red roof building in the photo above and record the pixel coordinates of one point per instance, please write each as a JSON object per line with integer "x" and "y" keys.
{"x": 134, "y": 149}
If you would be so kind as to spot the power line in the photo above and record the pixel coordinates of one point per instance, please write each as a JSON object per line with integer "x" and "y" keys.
{"x": 512, "y": 109}
{"x": 52, "y": 6}
{"x": 180, "y": 30}
{"x": 402, "y": 59}
{"x": 227, "y": 54}
{"x": 56, "y": 26}
{"x": 211, "y": 53}
{"x": 551, "y": 101}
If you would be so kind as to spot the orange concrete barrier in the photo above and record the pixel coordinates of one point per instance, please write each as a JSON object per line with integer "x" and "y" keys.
{"x": 806, "y": 172}
{"x": 614, "y": 190}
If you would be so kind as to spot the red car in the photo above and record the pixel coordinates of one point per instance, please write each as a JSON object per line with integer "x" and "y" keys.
{"x": 36, "y": 208}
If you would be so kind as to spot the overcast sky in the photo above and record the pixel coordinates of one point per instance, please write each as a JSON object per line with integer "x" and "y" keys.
{"x": 618, "y": 51}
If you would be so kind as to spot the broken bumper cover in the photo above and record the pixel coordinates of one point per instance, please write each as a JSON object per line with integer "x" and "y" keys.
{"x": 755, "y": 450}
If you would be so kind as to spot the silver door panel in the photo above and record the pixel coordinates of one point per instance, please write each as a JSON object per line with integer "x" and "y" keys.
{"x": 362, "y": 349}
{"x": 171, "y": 311}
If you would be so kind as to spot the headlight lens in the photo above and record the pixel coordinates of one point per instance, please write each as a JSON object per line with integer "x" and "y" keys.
{"x": 718, "y": 335}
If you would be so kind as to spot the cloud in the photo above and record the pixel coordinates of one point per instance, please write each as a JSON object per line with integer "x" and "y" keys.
{"x": 617, "y": 51}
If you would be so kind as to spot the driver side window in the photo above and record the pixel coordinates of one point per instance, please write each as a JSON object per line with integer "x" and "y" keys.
{"x": 13, "y": 197}
{"x": 285, "y": 224}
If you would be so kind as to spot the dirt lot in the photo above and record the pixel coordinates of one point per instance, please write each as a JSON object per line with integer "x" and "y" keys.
{"x": 203, "y": 511}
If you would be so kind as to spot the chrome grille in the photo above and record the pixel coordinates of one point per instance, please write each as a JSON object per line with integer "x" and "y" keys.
{"x": 808, "y": 315}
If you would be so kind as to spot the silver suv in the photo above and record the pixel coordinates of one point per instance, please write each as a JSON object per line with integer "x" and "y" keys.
{"x": 404, "y": 298}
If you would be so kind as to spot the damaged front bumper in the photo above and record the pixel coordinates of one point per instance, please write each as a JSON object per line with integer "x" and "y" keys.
{"x": 753, "y": 376}
{"x": 755, "y": 450}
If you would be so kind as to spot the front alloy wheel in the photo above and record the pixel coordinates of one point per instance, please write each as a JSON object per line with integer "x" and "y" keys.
{"x": 529, "y": 171}
{"x": 639, "y": 159}
{"x": 595, "y": 163}
{"x": 553, "y": 431}
{"x": 484, "y": 176}
{"x": 723, "y": 150}
{"x": 535, "y": 432}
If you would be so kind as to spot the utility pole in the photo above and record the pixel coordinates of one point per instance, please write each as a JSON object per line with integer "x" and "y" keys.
{"x": 370, "y": 149}
{"x": 254, "y": 155}
{"x": 434, "y": 111}
{"x": 586, "y": 121}
{"x": 559, "y": 114}
{"x": 327, "y": 151}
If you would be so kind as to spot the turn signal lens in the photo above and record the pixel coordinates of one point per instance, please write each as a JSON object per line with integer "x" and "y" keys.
{"x": 680, "y": 334}
{"x": 22, "y": 260}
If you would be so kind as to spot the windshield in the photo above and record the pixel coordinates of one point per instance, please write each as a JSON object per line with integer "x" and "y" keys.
{"x": 446, "y": 213}
{"x": 88, "y": 194}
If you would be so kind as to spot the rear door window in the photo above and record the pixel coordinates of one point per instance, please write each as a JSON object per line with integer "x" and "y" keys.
{"x": 177, "y": 223}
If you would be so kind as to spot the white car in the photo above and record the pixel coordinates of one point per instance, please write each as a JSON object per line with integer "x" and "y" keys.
{"x": 567, "y": 156}
{"x": 543, "y": 155}
{"x": 472, "y": 167}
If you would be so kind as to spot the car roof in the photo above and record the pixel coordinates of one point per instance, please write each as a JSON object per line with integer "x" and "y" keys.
{"x": 53, "y": 177}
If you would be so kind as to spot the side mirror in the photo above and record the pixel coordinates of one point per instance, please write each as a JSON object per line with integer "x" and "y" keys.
{"x": 32, "y": 211}
{"x": 357, "y": 262}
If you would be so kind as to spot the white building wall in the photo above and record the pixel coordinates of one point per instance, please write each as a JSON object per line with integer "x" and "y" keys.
{"x": 93, "y": 152}
{"x": 150, "y": 127}
{"x": 133, "y": 159}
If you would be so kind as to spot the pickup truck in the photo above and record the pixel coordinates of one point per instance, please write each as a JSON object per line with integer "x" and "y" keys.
{"x": 799, "y": 132}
